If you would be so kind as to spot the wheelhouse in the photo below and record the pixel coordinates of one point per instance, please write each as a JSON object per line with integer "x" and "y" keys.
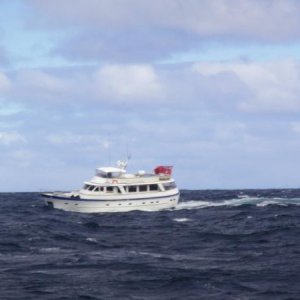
{"x": 130, "y": 188}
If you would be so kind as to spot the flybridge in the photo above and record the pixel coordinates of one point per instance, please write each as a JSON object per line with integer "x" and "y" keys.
{"x": 109, "y": 172}
{"x": 114, "y": 172}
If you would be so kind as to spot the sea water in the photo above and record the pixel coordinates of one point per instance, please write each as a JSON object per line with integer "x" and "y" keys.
{"x": 214, "y": 245}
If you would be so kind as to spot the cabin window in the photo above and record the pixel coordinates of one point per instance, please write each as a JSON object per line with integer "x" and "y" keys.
{"x": 143, "y": 188}
{"x": 91, "y": 187}
{"x": 153, "y": 187}
{"x": 86, "y": 186}
{"x": 109, "y": 189}
{"x": 108, "y": 174}
{"x": 99, "y": 189}
{"x": 169, "y": 185}
{"x": 132, "y": 189}
{"x": 103, "y": 175}
{"x": 112, "y": 189}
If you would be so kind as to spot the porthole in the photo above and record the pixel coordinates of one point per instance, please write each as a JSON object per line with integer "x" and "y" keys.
{"x": 129, "y": 203}
{"x": 76, "y": 203}
{"x": 144, "y": 203}
{"x": 107, "y": 204}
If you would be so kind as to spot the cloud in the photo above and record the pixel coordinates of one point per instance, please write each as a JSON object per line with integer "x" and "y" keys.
{"x": 40, "y": 80}
{"x": 9, "y": 138}
{"x": 238, "y": 86}
{"x": 24, "y": 157}
{"x": 109, "y": 85}
{"x": 136, "y": 31}
{"x": 123, "y": 45}
{"x": 128, "y": 83}
{"x": 273, "y": 86}
{"x": 69, "y": 138}
{"x": 245, "y": 17}
{"x": 10, "y": 109}
{"x": 4, "y": 83}
{"x": 4, "y": 61}
{"x": 112, "y": 77}
{"x": 40, "y": 86}
{"x": 295, "y": 127}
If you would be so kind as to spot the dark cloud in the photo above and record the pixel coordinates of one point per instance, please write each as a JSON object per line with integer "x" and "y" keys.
{"x": 135, "y": 31}
{"x": 140, "y": 45}
{"x": 261, "y": 18}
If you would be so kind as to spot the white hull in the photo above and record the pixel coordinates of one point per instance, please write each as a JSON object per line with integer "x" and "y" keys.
{"x": 114, "y": 190}
{"x": 113, "y": 205}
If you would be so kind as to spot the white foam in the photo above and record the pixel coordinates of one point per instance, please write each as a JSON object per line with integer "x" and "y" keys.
{"x": 192, "y": 204}
{"x": 271, "y": 202}
{"x": 258, "y": 201}
{"x": 92, "y": 240}
{"x": 181, "y": 220}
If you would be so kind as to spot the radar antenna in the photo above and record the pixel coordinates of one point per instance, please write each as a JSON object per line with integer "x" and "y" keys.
{"x": 122, "y": 164}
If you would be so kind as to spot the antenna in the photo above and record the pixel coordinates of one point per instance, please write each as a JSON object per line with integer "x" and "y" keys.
{"x": 127, "y": 152}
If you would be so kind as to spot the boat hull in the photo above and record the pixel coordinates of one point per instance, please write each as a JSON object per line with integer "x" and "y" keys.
{"x": 77, "y": 204}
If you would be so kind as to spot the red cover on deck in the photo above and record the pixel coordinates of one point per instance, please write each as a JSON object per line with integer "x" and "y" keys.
{"x": 166, "y": 170}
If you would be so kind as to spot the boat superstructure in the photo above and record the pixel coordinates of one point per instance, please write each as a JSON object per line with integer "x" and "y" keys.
{"x": 112, "y": 189}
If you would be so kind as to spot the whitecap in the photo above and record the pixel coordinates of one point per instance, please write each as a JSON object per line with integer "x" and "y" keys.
{"x": 271, "y": 202}
{"x": 192, "y": 204}
{"x": 243, "y": 196}
{"x": 258, "y": 201}
{"x": 181, "y": 220}
{"x": 92, "y": 240}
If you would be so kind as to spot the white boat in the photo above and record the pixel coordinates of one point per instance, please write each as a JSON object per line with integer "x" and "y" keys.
{"x": 112, "y": 189}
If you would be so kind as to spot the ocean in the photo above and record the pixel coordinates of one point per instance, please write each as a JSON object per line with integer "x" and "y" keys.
{"x": 217, "y": 244}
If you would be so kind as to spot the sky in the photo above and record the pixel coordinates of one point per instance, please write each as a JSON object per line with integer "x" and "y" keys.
{"x": 211, "y": 87}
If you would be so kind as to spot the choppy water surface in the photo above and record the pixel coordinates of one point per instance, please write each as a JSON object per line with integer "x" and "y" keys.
{"x": 215, "y": 245}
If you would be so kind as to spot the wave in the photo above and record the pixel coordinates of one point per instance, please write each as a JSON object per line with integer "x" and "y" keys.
{"x": 245, "y": 200}
{"x": 181, "y": 220}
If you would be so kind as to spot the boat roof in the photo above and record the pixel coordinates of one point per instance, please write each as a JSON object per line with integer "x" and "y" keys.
{"x": 111, "y": 170}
